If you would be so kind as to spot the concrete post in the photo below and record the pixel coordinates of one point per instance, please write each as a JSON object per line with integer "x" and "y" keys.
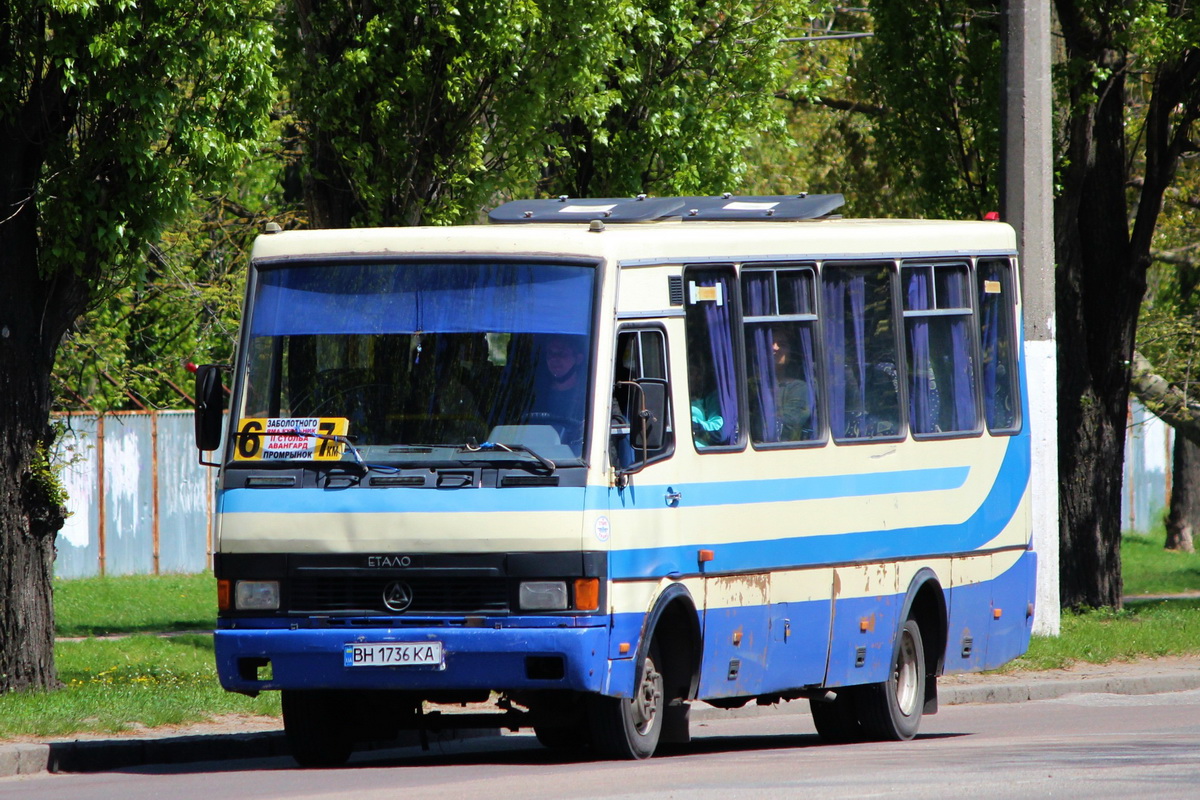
{"x": 1027, "y": 204}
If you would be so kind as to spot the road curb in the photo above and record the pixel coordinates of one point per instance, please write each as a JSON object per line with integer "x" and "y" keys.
{"x": 99, "y": 755}
{"x": 1001, "y": 691}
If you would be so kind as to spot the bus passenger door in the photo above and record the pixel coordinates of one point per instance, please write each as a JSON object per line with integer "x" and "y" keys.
{"x": 646, "y": 544}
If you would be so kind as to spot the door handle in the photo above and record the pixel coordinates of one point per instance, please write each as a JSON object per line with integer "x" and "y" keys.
{"x": 673, "y": 497}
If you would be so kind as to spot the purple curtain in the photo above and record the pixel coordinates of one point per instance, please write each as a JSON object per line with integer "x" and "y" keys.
{"x": 834, "y": 314}
{"x": 802, "y": 300}
{"x": 922, "y": 403}
{"x": 963, "y": 368}
{"x": 760, "y": 344}
{"x": 858, "y": 305}
{"x": 846, "y": 289}
{"x": 993, "y": 332}
{"x": 719, "y": 321}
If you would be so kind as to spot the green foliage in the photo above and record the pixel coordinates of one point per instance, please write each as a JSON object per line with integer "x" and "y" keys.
{"x": 937, "y": 68}
{"x": 693, "y": 89}
{"x": 411, "y": 111}
{"x": 131, "y": 349}
{"x": 143, "y": 103}
{"x": 831, "y": 143}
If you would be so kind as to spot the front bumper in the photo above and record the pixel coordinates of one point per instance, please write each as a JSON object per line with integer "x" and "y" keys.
{"x": 491, "y": 657}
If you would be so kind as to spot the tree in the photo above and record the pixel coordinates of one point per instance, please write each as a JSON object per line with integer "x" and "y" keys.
{"x": 1103, "y": 237}
{"x": 410, "y": 115}
{"x": 110, "y": 112}
{"x": 130, "y": 350}
{"x": 937, "y": 68}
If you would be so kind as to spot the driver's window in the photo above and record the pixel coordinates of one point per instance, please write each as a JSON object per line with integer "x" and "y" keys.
{"x": 640, "y": 354}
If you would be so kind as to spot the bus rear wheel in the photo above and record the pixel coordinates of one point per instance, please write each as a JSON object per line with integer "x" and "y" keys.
{"x": 629, "y": 728}
{"x": 836, "y": 720}
{"x": 315, "y": 728}
{"x": 891, "y": 711}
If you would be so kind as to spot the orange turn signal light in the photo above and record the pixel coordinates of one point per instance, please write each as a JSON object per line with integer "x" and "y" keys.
{"x": 587, "y": 594}
{"x": 223, "y": 595}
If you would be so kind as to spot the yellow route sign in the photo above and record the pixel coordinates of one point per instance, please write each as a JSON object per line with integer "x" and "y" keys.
{"x": 290, "y": 439}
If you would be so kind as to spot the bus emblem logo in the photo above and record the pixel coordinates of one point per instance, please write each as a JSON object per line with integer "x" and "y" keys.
{"x": 397, "y": 596}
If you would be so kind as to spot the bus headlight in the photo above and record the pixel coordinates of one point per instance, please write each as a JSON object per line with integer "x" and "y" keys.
{"x": 257, "y": 595}
{"x": 543, "y": 596}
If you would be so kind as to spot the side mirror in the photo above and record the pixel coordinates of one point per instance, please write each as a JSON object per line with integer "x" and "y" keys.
{"x": 648, "y": 424}
{"x": 209, "y": 406}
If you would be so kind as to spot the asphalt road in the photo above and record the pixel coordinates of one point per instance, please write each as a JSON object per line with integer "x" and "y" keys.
{"x": 1078, "y": 745}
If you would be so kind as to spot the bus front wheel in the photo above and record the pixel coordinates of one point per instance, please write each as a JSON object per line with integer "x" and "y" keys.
{"x": 891, "y": 710}
{"x": 629, "y": 728}
{"x": 314, "y": 726}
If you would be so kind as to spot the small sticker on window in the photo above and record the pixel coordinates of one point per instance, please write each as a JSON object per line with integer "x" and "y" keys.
{"x": 991, "y": 287}
{"x": 706, "y": 294}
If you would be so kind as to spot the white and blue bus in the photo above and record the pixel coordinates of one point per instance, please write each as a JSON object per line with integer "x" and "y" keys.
{"x": 598, "y": 460}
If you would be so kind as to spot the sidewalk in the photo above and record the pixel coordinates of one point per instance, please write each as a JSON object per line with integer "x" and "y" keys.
{"x": 238, "y": 738}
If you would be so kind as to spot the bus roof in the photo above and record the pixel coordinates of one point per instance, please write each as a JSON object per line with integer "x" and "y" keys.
{"x": 671, "y": 241}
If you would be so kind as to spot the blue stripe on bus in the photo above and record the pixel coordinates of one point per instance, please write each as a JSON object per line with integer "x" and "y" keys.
{"x": 382, "y": 501}
{"x": 602, "y": 499}
{"x": 992, "y": 515}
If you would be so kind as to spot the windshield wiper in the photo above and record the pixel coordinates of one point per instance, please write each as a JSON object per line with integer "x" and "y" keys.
{"x": 546, "y": 463}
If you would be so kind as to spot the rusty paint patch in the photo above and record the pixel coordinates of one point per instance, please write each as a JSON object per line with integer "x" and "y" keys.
{"x": 739, "y": 590}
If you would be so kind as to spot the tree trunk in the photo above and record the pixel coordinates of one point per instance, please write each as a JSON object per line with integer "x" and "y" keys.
{"x": 1098, "y": 292}
{"x": 32, "y": 311}
{"x": 1185, "y": 495}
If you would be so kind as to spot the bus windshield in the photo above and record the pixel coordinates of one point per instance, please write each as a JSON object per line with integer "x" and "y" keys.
{"x": 425, "y": 360}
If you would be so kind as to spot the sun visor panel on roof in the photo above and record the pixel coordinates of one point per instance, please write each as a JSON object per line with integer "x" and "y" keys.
{"x": 783, "y": 208}
{"x": 608, "y": 209}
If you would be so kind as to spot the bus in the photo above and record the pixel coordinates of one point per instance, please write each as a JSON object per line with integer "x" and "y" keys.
{"x": 598, "y": 460}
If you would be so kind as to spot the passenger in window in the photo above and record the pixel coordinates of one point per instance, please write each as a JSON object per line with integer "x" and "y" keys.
{"x": 793, "y": 415}
{"x": 707, "y": 420}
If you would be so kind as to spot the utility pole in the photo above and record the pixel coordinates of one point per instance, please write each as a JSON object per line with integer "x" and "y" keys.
{"x": 1026, "y": 202}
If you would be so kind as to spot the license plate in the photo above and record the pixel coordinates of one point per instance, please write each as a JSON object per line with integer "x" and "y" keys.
{"x": 392, "y": 654}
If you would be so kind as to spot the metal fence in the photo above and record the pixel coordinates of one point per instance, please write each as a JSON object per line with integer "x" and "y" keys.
{"x": 139, "y": 501}
{"x": 1147, "y": 484}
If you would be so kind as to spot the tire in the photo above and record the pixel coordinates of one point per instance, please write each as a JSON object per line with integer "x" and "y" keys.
{"x": 837, "y": 720}
{"x": 629, "y": 728}
{"x": 891, "y": 711}
{"x": 560, "y": 737}
{"x": 315, "y": 728}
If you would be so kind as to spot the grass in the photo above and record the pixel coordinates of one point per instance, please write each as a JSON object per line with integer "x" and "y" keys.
{"x": 135, "y": 604}
{"x": 1148, "y": 569}
{"x": 113, "y": 685}
{"x": 1141, "y": 630}
{"x": 144, "y": 680}
{"x": 138, "y": 680}
{"x": 1144, "y": 628}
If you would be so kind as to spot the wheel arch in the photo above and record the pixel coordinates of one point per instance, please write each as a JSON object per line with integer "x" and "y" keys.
{"x": 925, "y": 602}
{"x": 675, "y": 623}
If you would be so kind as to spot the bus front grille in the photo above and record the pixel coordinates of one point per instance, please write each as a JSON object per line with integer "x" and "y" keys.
{"x": 348, "y": 595}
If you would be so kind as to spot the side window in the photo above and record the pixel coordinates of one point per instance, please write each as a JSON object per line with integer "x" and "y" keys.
{"x": 998, "y": 341}
{"x": 779, "y": 307}
{"x": 640, "y": 354}
{"x": 940, "y": 354}
{"x": 712, "y": 356}
{"x": 860, "y": 351}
